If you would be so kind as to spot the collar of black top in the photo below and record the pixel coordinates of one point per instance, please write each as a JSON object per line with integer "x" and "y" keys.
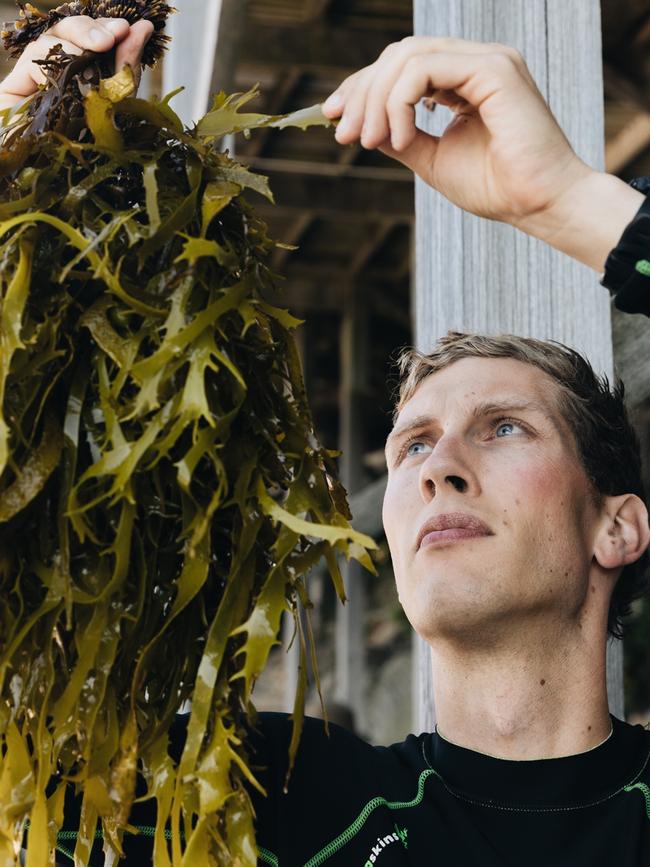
{"x": 570, "y": 781}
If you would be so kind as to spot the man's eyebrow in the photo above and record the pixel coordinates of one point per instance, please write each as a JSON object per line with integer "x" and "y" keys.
{"x": 418, "y": 423}
{"x": 485, "y": 408}
{"x": 490, "y": 407}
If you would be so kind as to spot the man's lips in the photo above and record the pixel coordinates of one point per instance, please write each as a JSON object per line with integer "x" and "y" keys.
{"x": 450, "y": 527}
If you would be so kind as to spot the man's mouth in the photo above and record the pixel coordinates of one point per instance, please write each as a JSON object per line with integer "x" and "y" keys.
{"x": 451, "y": 527}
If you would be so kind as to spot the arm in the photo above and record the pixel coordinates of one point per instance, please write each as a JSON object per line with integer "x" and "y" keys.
{"x": 503, "y": 157}
{"x": 588, "y": 221}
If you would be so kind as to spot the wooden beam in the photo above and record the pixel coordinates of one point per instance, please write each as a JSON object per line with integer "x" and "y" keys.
{"x": 318, "y": 9}
{"x": 296, "y": 233}
{"x": 620, "y": 88}
{"x": 328, "y": 170}
{"x": 308, "y": 296}
{"x": 376, "y": 237}
{"x": 289, "y": 82}
{"x": 226, "y": 52}
{"x": 202, "y": 53}
{"x": 352, "y": 196}
{"x": 628, "y": 144}
{"x": 350, "y": 621}
{"x": 514, "y": 283}
{"x": 316, "y": 48}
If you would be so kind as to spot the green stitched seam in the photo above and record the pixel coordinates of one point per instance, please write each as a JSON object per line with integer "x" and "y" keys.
{"x": 645, "y": 791}
{"x": 643, "y": 267}
{"x": 65, "y": 852}
{"x": 356, "y": 826}
{"x": 268, "y": 857}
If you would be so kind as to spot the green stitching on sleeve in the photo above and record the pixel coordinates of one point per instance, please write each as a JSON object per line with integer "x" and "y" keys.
{"x": 645, "y": 791}
{"x": 358, "y": 823}
{"x": 268, "y": 857}
{"x": 643, "y": 267}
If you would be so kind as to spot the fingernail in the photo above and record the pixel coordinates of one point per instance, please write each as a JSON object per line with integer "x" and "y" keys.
{"x": 115, "y": 25}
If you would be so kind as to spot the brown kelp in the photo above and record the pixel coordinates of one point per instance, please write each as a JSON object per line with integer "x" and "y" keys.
{"x": 162, "y": 490}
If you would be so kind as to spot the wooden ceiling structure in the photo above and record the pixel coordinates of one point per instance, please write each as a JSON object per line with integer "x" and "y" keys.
{"x": 351, "y": 211}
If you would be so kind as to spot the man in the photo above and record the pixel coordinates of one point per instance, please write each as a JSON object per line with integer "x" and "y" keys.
{"x": 514, "y": 512}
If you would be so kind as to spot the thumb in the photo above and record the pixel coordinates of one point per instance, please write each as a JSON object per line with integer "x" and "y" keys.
{"x": 419, "y": 156}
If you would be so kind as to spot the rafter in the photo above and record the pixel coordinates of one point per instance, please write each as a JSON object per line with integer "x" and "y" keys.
{"x": 293, "y": 237}
{"x": 315, "y": 48}
{"x": 288, "y": 84}
{"x": 628, "y": 143}
{"x": 366, "y": 251}
{"x": 312, "y": 168}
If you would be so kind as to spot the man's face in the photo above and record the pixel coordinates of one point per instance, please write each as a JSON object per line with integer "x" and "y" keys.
{"x": 482, "y": 451}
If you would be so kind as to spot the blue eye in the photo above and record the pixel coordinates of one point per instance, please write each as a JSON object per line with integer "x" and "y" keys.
{"x": 414, "y": 443}
{"x": 509, "y": 426}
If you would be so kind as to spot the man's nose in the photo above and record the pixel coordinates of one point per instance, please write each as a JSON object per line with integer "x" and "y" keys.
{"x": 447, "y": 467}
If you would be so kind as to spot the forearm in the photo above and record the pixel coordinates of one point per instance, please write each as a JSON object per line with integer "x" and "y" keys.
{"x": 589, "y": 221}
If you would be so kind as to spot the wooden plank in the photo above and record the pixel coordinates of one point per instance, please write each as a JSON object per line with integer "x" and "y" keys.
{"x": 349, "y": 631}
{"x": 352, "y": 196}
{"x": 628, "y": 144}
{"x": 377, "y": 236}
{"x": 317, "y": 48}
{"x": 340, "y": 169}
{"x": 298, "y": 231}
{"x": 189, "y": 61}
{"x": 289, "y": 82}
{"x": 474, "y": 274}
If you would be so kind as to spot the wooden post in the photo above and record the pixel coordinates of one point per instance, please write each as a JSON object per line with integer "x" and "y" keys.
{"x": 477, "y": 275}
{"x": 202, "y": 54}
{"x": 350, "y": 681}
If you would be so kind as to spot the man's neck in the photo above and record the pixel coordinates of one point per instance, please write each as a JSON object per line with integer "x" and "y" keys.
{"x": 542, "y": 697}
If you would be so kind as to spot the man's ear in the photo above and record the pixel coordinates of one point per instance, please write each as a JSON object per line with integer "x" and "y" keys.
{"x": 624, "y": 534}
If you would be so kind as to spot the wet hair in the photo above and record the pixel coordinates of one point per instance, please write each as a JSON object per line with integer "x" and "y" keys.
{"x": 607, "y": 444}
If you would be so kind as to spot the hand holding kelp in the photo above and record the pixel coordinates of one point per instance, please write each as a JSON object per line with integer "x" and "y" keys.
{"x": 162, "y": 491}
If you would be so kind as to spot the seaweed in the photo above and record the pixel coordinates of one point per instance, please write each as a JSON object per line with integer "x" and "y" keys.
{"x": 163, "y": 493}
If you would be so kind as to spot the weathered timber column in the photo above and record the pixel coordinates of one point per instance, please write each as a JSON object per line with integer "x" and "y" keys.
{"x": 477, "y": 275}
{"x": 350, "y": 656}
{"x": 202, "y": 54}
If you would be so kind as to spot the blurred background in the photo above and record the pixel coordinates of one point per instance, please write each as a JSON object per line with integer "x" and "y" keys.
{"x": 351, "y": 214}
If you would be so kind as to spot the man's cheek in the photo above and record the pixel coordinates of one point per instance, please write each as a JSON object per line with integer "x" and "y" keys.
{"x": 397, "y": 520}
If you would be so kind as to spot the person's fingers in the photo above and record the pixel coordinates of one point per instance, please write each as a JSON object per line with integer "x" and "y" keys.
{"x": 419, "y": 156}
{"x": 26, "y": 75}
{"x": 387, "y": 70}
{"x": 349, "y": 129}
{"x": 334, "y": 105}
{"x": 473, "y": 77}
{"x": 448, "y": 98}
{"x": 130, "y": 49}
{"x": 91, "y": 34}
{"x": 375, "y": 125}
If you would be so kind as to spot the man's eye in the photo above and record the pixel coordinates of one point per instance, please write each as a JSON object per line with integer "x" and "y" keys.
{"x": 506, "y": 428}
{"x": 408, "y": 451}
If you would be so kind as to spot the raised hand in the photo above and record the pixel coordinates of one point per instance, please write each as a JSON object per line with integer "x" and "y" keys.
{"x": 76, "y": 34}
{"x": 503, "y": 156}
